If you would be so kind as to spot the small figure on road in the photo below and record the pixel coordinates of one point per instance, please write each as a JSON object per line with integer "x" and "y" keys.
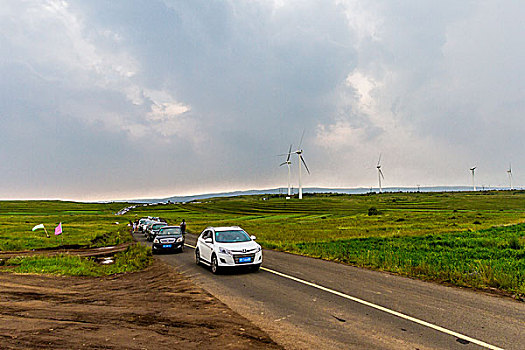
{"x": 183, "y": 226}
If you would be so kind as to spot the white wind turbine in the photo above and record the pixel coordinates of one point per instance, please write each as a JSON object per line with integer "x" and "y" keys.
{"x": 379, "y": 172}
{"x": 473, "y": 182}
{"x": 510, "y": 176}
{"x": 299, "y": 153}
{"x": 288, "y": 162}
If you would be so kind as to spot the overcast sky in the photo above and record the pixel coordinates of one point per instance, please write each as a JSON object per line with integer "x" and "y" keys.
{"x": 128, "y": 99}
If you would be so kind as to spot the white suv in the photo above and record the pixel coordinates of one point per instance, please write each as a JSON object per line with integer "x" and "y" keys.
{"x": 220, "y": 247}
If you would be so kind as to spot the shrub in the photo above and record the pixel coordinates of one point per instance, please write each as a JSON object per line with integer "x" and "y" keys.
{"x": 373, "y": 211}
{"x": 514, "y": 243}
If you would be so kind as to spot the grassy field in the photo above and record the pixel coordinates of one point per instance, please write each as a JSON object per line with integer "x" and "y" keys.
{"x": 465, "y": 238}
{"x": 84, "y": 224}
{"x": 135, "y": 258}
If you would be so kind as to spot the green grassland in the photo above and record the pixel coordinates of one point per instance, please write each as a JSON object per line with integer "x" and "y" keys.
{"x": 474, "y": 239}
{"x": 135, "y": 258}
{"x": 83, "y": 224}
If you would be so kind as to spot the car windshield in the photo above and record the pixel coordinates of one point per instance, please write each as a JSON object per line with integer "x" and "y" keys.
{"x": 232, "y": 236}
{"x": 175, "y": 231}
{"x": 157, "y": 226}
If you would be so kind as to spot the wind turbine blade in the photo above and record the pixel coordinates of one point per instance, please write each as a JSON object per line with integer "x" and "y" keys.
{"x": 289, "y": 153}
{"x": 301, "y": 142}
{"x": 379, "y": 160}
{"x": 306, "y": 166}
{"x": 282, "y": 164}
{"x": 381, "y": 173}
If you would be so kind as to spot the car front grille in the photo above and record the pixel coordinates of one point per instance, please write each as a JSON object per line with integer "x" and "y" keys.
{"x": 244, "y": 251}
{"x": 167, "y": 240}
{"x": 237, "y": 256}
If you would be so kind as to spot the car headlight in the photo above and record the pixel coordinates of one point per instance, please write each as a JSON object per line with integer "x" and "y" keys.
{"x": 259, "y": 249}
{"x": 155, "y": 240}
{"x": 225, "y": 251}
{"x": 180, "y": 239}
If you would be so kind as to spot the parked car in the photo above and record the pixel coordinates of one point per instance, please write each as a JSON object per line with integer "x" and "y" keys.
{"x": 153, "y": 229}
{"x": 169, "y": 238}
{"x": 142, "y": 222}
{"x": 221, "y": 247}
{"x": 145, "y": 227}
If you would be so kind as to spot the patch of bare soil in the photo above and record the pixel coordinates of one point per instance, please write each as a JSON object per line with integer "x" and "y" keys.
{"x": 153, "y": 309}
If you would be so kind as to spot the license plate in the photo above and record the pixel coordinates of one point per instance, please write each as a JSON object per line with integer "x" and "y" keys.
{"x": 247, "y": 259}
{"x": 166, "y": 246}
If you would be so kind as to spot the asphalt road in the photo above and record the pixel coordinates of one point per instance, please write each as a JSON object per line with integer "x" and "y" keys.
{"x": 333, "y": 306}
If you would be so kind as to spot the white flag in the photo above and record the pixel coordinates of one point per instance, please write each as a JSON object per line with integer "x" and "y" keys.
{"x": 38, "y": 226}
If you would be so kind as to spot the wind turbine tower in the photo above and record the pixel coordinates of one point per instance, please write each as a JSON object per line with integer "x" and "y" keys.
{"x": 288, "y": 163}
{"x": 379, "y": 173}
{"x": 299, "y": 153}
{"x": 510, "y": 176}
{"x": 473, "y": 182}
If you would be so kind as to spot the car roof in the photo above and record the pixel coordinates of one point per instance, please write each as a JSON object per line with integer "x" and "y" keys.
{"x": 171, "y": 227}
{"x": 225, "y": 228}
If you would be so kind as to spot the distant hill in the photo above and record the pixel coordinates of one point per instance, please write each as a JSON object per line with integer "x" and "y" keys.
{"x": 283, "y": 191}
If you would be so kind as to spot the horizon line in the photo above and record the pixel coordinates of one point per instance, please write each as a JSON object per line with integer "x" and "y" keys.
{"x": 460, "y": 188}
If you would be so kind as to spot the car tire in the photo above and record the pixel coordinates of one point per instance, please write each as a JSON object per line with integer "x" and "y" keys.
{"x": 256, "y": 268}
{"x": 214, "y": 265}
{"x": 181, "y": 249}
{"x": 197, "y": 257}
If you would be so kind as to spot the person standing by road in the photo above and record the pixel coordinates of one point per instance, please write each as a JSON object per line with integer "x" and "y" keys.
{"x": 183, "y": 226}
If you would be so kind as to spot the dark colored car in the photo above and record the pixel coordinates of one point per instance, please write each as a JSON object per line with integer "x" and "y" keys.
{"x": 153, "y": 229}
{"x": 169, "y": 238}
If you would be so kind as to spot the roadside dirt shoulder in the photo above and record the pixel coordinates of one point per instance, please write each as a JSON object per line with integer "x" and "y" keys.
{"x": 153, "y": 309}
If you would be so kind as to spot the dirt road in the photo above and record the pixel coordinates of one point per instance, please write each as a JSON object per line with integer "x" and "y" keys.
{"x": 153, "y": 309}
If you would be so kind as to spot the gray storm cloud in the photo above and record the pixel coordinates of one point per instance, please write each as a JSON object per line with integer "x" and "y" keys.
{"x": 129, "y": 99}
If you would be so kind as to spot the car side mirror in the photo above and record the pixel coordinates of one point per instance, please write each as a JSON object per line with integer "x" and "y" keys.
{"x": 253, "y": 238}
{"x": 208, "y": 240}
